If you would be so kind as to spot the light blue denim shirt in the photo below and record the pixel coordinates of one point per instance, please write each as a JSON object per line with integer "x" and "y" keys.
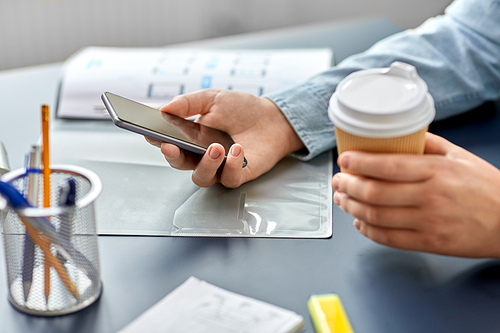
{"x": 457, "y": 54}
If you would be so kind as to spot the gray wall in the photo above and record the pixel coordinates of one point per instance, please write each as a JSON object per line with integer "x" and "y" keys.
{"x": 41, "y": 31}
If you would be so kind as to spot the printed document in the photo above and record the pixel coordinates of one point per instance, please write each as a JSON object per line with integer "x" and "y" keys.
{"x": 199, "y": 307}
{"x": 154, "y": 76}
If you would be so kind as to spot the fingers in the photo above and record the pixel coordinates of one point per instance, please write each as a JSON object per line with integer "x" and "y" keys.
{"x": 205, "y": 172}
{"x": 233, "y": 174}
{"x": 153, "y": 142}
{"x": 405, "y": 239}
{"x": 415, "y": 240}
{"x": 392, "y": 167}
{"x": 436, "y": 145}
{"x": 381, "y": 216}
{"x": 191, "y": 104}
{"x": 397, "y": 167}
{"x": 387, "y": 204}
{"x": 433, "y": 202}
{"x": 376, "y": 192}
{"x": 178, "y": 158}
{"x": 206, "y": 168}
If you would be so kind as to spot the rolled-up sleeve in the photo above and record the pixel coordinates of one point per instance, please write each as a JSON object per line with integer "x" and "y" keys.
{"x": 457, "y": 54}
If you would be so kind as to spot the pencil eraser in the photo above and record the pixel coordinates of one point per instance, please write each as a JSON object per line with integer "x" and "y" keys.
{"x": 328, "y": 314}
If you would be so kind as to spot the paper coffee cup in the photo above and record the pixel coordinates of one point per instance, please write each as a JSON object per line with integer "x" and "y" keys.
{"x": 382, "y": 110}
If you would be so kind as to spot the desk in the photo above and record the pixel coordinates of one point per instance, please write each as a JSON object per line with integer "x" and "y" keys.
{"x": 384, "y": 290}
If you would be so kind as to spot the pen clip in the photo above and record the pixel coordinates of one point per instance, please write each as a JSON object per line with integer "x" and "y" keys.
{"x": 67, "y": 193}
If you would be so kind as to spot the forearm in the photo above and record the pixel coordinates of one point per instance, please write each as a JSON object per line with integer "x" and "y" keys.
{"x": 456, "y": 54}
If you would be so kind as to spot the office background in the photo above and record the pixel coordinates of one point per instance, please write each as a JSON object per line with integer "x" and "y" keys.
{"x": 35, "y": 32}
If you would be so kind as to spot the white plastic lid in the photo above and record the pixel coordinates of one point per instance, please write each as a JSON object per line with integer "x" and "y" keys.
{"x": 382, "y": 102}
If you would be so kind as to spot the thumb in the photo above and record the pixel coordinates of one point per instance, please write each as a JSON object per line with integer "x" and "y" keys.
{"x": 187, "y": 105}
{"x": 436, "y": 145}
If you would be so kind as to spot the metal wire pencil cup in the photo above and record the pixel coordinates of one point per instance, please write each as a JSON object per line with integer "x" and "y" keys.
{"x": 76, "y": 223}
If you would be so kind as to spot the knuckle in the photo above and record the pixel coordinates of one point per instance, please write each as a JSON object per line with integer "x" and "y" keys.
{"x": 231, "y": 184}
{"x": 435, "y": 233}
{"x": 437, "y": 200}
{"x": 379, "y": 236}
{"x": 387, "y": 240}
{"x": 173, "y": 163}
{"x": 373, "y": 215}
{"x": 229, "y": 181}
{"x": 201, "y": 182}
{"x": 345, "y": 203}
{"x": 177, "y": 163}
{"x": 371, "y": 192}
{"x": 435, "y": 240}
{"x": 390, "y": 169}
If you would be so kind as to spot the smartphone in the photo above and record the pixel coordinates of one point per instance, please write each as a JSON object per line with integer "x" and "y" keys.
{"x": 165, "y": 127}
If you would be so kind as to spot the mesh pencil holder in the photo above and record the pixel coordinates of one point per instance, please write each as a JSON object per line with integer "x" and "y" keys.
{"x": 75, "y": 224}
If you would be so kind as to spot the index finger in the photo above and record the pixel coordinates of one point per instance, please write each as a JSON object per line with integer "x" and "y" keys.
{"x": 390, "y": 167}
{"x": 397, "y": 167}
{"x": 187, "y": 105}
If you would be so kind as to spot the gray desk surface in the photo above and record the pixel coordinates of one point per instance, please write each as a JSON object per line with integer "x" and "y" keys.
{"x": 383, "y": 290}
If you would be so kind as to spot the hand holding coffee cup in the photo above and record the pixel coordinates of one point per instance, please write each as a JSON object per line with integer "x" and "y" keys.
{"x": 382, "y": 110}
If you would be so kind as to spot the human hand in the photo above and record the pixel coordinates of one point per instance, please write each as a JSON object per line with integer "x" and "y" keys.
{"x": 194, "y": 132}
{"x": 446, "y": 201}
{"x": 261, "y": 131}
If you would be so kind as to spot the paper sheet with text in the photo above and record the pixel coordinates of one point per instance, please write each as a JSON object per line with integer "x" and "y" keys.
{"x": 199, "y": 307}
{"x": 154, "y": 76}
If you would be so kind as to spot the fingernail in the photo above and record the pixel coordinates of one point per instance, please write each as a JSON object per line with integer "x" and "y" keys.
{"x": 336, "y": 181}
{"x": 336, "y": 198}
{"x": 357, "y": 224}
{"x": 344, "y": 161}
{"x": 235, "y": 150}
{"x": 213, "y": 153}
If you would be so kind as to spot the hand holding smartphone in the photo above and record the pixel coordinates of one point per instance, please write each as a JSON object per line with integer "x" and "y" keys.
{"x": 165, "y": 127}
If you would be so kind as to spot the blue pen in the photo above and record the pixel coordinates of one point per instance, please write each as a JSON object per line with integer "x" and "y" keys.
{"x": 18, "y": 201}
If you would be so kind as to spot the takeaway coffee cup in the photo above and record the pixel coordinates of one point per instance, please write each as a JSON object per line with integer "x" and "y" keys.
{"x": 384, "y": 110}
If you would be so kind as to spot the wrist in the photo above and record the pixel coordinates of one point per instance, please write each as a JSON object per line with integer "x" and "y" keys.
{"x": 284, "y": 133}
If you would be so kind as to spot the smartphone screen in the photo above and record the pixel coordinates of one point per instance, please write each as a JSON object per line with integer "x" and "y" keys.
{"x": 162, "y": 126}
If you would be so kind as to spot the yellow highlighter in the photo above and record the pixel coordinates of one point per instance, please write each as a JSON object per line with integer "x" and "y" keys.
{"x": 328, "y": 315}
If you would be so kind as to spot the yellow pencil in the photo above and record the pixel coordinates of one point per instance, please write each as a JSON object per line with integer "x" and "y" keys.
{"x": 45, "y": 156}
{"x": 49, "y": 258}
{"x": 46, "y": 183}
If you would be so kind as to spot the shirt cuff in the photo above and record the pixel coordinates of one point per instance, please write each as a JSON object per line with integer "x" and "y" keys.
{"x": 306, "y": 108}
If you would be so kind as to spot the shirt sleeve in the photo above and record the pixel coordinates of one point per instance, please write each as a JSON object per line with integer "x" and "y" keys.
{"x": 457, "y": 54}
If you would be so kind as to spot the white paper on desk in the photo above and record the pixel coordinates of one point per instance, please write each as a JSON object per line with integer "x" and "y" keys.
{"x": 155, "y": 75}
{"x": 199, "y": 307}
